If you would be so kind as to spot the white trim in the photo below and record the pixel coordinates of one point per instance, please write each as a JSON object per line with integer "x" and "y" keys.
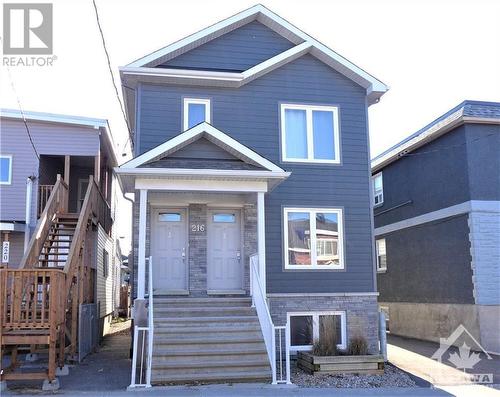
{"x": 315, "y": 315}
{"x": 141, "y": 268}
{"x": 462, "y": 208}
{"x": 54, "y": 118}
{"x": 381, "y": 194}
{"x": 191, "y": 135}
{"x": 312, "y": 223}
{"x": 201, "y": 185}
{"x": 201, "y": 173}
{"x": 9, "y": 181}
{"x": 378, "y": 241}
{"x": 310, "y": 137}
{"x": 12, "y": 227}
{"x": 261, "y": 239}
{"x": 196, "y": 101}
{"x": 282, "y": 27}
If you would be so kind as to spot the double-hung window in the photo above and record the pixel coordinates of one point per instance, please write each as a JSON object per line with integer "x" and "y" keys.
{"x": 5, "y": 169}
{"x": 310, "y": 133}
{"x": 313, "y": 238}
{"x": 378, "y": 189}
{"x": 309, "y": 327}
{"x": 381, "y": 255}
{"x": 196, "y": 111}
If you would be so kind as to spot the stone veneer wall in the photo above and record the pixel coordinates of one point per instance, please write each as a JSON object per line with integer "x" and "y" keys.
{"x": 361, "y": 312}
{"x": 197, "y": 252}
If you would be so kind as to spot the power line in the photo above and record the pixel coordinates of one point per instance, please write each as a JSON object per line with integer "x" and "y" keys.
{"x": 22, "y": 112}
{"x": 122, "y": 108}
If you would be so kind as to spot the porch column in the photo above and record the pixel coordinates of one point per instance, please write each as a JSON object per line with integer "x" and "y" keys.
{"x": 67, "y": 165}
{"x": 141, "y": 268}
{"x": 261, "y": 238}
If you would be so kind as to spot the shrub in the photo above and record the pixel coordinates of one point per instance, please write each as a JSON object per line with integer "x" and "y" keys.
{"x": 358, "y": 346}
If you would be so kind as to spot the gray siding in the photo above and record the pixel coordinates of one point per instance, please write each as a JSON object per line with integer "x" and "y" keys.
{"x": 49, "y": 138}
{"x": 429, "y": 263}
{"x": 483, "y": 159}
{"x": 421, "y": 178}
{"x": 250, "y": 115}
{"x": 202, "y": 149}
{"x": 235, "y": 51}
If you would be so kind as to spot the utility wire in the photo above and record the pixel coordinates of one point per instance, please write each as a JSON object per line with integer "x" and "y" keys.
{"x": 22, "y": 112}
{"x": 122, "y": 108}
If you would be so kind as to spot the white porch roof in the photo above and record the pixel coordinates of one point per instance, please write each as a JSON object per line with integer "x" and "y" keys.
{"x": 135, "y": 174}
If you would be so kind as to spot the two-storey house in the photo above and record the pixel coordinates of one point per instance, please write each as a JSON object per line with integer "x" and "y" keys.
{"x": 437, "y": 227}
{"x": 58, "y": 200}
{"x": 252, "y": 189}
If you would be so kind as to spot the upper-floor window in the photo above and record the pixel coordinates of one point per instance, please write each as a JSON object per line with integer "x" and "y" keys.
{"x": 313, "y": 238}
{"x": 378, "y": 189}
{"x": 310, "y": 133}
{"x": 381, "y": 255}
{"x": 105, "y": 263}
{"x": 196, "y": 111}
{"x": 5, "y": 169}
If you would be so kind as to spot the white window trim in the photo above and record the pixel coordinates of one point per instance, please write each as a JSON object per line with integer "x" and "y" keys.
{"x": 313, "y": 211}
{"x": 381, "y": 269}
{"x": 381, "y": 192}
{"x": 310, "y": 140}
{"x": 200, "y": 101}
{"x": 315, "y": 315}
{"x": 7, "y": 156}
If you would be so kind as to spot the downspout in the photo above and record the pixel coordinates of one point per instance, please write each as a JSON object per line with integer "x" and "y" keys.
{"x": 29, "y": 196}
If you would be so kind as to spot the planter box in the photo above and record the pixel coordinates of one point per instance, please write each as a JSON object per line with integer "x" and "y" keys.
{"x": 365, "y": 365}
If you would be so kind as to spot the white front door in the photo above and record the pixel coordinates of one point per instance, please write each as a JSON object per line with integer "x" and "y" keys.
{"x": 169, "y": 250}
{"x": 225, "y": 262}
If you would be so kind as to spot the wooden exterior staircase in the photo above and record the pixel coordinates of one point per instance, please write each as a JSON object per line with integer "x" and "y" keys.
{"x": 39, "y": 301}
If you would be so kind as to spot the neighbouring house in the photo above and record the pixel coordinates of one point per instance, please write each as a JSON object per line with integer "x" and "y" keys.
{"x": 251, "y": 176}
{"x": 58, "y": 200}
{"x": 437, "y": 227}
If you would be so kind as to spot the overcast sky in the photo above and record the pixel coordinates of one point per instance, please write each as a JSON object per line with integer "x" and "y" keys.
{"x": 432, "y": 54}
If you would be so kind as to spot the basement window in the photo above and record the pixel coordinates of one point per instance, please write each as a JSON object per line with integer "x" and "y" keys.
{"x": 308, "y": 327}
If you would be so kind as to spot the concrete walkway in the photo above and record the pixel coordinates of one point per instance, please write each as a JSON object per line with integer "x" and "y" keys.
{"x": 413, "y": 356}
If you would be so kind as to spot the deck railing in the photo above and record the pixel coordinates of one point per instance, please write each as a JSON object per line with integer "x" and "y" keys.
{"x": 271, "y": 333}
{"x": 57, "y": 202}
{"x": 142, "y": 354}
{"x": 44, "y": 192}
{"x": 31, "y": 299}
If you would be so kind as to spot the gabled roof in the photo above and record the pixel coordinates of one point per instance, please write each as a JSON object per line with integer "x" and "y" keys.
{"x": 211, "y": 133}
{"x": 145, "y": 66}
{"x": 467, "y": 111}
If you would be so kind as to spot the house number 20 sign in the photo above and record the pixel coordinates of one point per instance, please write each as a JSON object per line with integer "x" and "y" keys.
{"x": 198, "y": 227}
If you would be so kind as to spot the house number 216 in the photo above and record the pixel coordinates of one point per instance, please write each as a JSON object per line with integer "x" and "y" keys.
{"x": 198, "y": 227}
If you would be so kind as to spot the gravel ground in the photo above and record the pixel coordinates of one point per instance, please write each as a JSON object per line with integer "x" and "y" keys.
{"x": 393, "y": 377}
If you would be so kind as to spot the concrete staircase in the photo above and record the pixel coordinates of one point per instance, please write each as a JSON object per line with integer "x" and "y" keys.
{"x": 212, "y": 340}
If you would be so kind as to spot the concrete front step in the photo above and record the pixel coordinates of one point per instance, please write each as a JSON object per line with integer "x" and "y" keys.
{"x": 179, "y": 339}
{"x": 208, "y": 350}
{"x": 203, "y": 311}
{"x": 160, "y": 377}
{"x": 189, "y": 302}
{"x": 204, "y": 321}
{"x": 210, "y": 363}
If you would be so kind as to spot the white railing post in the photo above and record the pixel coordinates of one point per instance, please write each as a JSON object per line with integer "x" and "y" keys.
{"x": 261, "y": 239}
{"x": 150, "y": 321}
{"x": 273, "y": 354}
{"x": 287, "y": 352}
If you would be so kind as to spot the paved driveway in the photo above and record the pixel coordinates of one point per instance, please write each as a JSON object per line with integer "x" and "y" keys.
{"x": 414, "y": 356}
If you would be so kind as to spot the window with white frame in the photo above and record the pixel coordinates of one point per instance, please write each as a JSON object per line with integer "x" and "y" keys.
{"x": 105, "y": 263}
{"x": 196, "y": 111}
{"x": 5, "y": 169}
{"x": 309, "y": 327}
{"x": 381, "y": 255}
{"x": 313, "y": 238}
{"x": 378, "y": 189}
{"x": 310, "y": 133}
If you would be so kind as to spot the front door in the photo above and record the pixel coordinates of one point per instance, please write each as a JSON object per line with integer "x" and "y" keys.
{"x": 169, "y": 248}
{"x": 225, "y": 262}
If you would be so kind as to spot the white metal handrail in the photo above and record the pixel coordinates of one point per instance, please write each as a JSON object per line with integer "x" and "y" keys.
{"x": 269, "y": 330}
{"x": 140, "y": 335}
